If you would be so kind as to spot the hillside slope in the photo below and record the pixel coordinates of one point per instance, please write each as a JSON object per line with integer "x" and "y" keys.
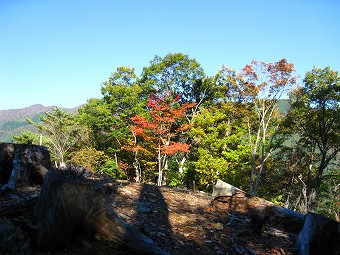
{"x": 12, "y": 121}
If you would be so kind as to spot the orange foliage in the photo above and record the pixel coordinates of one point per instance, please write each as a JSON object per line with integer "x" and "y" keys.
{"x": 164, "y": 111}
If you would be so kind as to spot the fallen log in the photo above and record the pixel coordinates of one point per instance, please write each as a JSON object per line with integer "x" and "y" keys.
{"x": 69, "y": 206}
{"x": 320, "y": 235}
{"x": 261, "y": 211}
{"x": 22, "y": 165}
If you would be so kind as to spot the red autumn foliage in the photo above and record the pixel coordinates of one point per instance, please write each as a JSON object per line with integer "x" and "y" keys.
{"x": 164, "y": 112}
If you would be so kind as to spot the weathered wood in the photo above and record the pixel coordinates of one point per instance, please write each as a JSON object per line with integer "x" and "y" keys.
{"x": 18, "y": 206}
{"x": 320, "y": 235}
{"x": 22, "y": 165}
{"x": 228, "y": 197}
{"x": 70, "y": 206}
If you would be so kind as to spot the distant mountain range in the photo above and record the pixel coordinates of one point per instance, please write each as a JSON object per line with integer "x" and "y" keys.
{"x": 12, "y": 122}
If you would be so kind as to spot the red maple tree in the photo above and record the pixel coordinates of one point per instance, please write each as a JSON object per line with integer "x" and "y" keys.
{"x": 158, "y": 131}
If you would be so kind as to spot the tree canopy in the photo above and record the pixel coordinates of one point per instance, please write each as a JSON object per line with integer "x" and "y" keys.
{"x": 174, "y": 125}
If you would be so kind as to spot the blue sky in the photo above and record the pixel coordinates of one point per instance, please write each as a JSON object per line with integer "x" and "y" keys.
{"x": 58, "y": 52}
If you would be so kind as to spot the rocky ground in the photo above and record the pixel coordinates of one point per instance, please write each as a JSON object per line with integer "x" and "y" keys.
{"x": 179, "y": 221}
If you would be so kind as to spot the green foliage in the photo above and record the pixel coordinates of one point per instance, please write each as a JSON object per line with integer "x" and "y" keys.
{"x": 329, "y": 199}
{"x": 279, "y": 200}
{"x": 234, "y": 128}
{"x": 110, "y": 168}
{"x": 62, "y": 132}
{"x": 27, "y": 137}
{"x": 89, "y": 158}
{"x": 97, "y": 117}
{"x": 108, "y": 118}
{"x": 221, "y": 152}
{"x": 315, "y": 115}
{"x": 124, "y": 96}
{"x": 176, "y": 73}
{"x": 175, "y": 178}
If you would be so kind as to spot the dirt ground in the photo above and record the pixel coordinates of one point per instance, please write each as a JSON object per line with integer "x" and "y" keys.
{"x": 185, "y": 222}
{"x": 178, "y": 220}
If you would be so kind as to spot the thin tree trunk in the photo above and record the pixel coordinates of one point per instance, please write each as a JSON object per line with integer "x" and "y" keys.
{"x": 116, "y": 160}
{"x": 181, "y": 165}
{"x": 321, "y": 168}
{"x": 159, "y": 182}
{"x": 253, "y": 156}
{"x": 258, "y": 176}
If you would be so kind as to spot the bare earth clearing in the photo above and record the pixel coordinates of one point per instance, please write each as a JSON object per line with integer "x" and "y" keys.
{"x": 184, "y": 222}
{"x": 179, "y": 221}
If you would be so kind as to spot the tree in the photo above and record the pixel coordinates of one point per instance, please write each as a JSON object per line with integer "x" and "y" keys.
{"x": 158, "y": 132}
{"x": 109, "y": 117}
{"x": 61, "y": 131}
{"x": 97, "y": 117}
{"x": 219, "y": 150}
{"x": 264, "y": 85}
{"x": 176, "y": 73}
{"x": 124, "y": 95}
{"x": 90, "y": 158}
{"x": 316, "y": 114}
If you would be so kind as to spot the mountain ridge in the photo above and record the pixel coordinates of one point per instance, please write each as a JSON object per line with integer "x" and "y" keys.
{"x": 13, "y": 121}
{"x": 11, "y": 114}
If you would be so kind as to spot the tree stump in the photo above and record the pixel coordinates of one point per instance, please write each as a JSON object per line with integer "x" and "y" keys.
{"x": 70, "y": 206}
{"x": 22, "y": 165}
{"x": 320, "y": 235}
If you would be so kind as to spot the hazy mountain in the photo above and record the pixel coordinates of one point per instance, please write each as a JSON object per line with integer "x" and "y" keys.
{"x": 12, "y": 121}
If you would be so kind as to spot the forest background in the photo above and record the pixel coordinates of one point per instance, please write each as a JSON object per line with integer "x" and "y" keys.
{"x": 257, "y": 129}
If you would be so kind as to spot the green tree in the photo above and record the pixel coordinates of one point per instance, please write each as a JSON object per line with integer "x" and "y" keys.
{"x": 62, "y": 133}
{"x": 219, "y": 150}
{"x": 109, "y": 117}
{"x": 124, "y": 95}
{"x": 291, "y": 178}
{"x": 316, "y": 115}
{"x": 89, "y": 158}
{"x": 176, "y": 73}
{"x": 97, "y": 117}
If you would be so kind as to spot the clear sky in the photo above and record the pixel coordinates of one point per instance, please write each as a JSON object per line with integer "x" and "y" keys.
{"x": 58, "y": 52}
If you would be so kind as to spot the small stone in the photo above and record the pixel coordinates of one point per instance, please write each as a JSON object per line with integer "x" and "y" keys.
{"x": 219, "y": 226}
{"x": 144, "y": 207}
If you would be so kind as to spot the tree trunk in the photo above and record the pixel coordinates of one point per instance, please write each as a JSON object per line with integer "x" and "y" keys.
{"x": 22, "y": 165}
{"x": 138, "y": 171}
{"x": 160, "y": 172}
{"x": 321, "y": 168}
{"x": 320, "y": 235}
{"x": 258, "y": 176}
{"x": 69, "y": 206}
{"x": 181, "y": 165}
